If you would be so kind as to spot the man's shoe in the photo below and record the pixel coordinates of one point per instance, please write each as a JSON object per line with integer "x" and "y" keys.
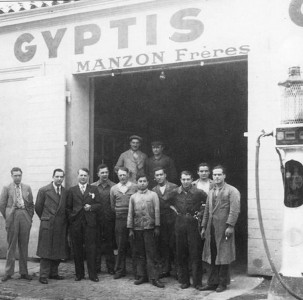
{"x": 208, "y": 288}
{"x": 117, "y": 276}
{"x": 140, "y": 280}
{"x": 43, "y": 280}
{"x": 6, "y": 278}
{"x": 78, "y": 278}
{"x": 157, "y": 283}
{"x": 165, "y": 274}
{"x": 57, "y": 277}
{"x": 199, "y": 287}
{"x": 95, "y": 279}
{"x": 26, "y": 277}
{"x": 185, "y": 286}
{"x": 220, "y": 288}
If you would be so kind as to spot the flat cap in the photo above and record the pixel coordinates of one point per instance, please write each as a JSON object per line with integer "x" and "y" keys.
{"x": 136, "y": 137}
{"x": 157, "y": 143}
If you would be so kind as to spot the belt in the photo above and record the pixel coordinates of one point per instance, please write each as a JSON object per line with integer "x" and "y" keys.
{"x": 19, "y": 207}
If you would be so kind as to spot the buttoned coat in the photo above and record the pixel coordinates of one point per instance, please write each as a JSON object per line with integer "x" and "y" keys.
{"x": 8, "y": 198}
{"x": 51, "y": 209}
{"x": 225, "y": 212}
{"x": 76, "y": 202}
{"x": 127, "y": 160}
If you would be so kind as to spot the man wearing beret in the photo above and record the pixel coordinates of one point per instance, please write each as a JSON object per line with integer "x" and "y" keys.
{"x": 132, "y": 159}
{"x": 159, "y": 160}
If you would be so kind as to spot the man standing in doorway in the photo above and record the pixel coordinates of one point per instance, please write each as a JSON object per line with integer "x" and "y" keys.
{"x": 50, "y": 207}
{"x": 187, "y": 202}
{"x": 204, "y": 182}
{"x": 119, "y": 198}
{"x": 159, "y": 160}
{"x": 83, "y": 202}
{"x": 220, "y": 216}
{"x": 106, "y": 230}
{"x": 17, "y": 208}
{"x": 132, "y": 159}
{"x": 167, "y": 239}
{"x": 144, "y": 227}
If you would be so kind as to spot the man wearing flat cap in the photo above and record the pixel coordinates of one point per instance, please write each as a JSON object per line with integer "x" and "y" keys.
{"x": 133, "y": 159}
{"x": 159, "y": 160}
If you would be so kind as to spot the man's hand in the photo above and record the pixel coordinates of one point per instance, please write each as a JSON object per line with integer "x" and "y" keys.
{"x": 131, "y": 234}
{"x": 87, "y": 207}
{"x": 157, "y": 231}
{"x": 229, "y": 231}
{"x": 203, "y": 233}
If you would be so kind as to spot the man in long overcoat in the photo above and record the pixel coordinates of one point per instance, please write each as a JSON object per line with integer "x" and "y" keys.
{"x": 52, "y": 242}
{"x": 220, "y": 216}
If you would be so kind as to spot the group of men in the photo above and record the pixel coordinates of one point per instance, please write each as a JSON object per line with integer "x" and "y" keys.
{"x": 161, "y": 223}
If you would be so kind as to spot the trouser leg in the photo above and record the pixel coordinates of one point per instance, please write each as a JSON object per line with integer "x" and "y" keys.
{"x": 45, "y": 267}
{"x": 90, "y": 250}
{"x": 54, "y": 266}
{"x": 164, "y": 246}
{"x": 98, "y": 248}
{"x": 77, "y": 235}
{"x": 122, "y": 240}
{"x": 12, "y": 237}
{"x": 153, "y": 266}
{"x": 195, "y": 251}
{"x": 25, "y": 225}
{"x": 213, "y": 278}
{"x": 108, "y": 236}
{"x": 139, "y": 253}
{"x": 182, "y": 250}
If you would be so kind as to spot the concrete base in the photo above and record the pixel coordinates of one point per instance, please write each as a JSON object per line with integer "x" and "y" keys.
{"x": 278, "y": 292}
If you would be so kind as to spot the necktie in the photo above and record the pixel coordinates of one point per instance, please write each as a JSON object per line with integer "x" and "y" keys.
{"x": 19, "y": 203}
{"x": 58, "y": 191}
{"x": 82, "y": 189}
{"x": 135, "y": 155}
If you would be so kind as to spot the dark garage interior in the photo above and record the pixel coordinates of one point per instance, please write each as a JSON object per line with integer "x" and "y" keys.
{"x": 199, "y": 112}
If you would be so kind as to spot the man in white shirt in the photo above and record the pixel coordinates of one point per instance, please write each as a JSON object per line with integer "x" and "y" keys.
{"x": 204, "y": 182}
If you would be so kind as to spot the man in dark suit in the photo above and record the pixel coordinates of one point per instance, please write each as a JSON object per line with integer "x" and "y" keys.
{"x": 17, "y": 208}
{"x": 167, "y": 241}
{"x": 83, "y": 202}
{"x": 50, "y": 207}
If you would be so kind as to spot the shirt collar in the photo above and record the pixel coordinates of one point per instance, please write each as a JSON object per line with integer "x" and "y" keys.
{"x": 106, "y": 183}
{"x": 85, "y": 185}
{"x": 128, "y": 184}
{"x": 142, "y": 192}
{"x": 180, "y": 190}
{"x": 219, "y": 188}
{"x": 55, "y": 187}
{"x": 16, "y": 186}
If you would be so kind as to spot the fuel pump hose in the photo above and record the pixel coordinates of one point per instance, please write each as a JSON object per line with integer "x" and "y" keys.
{"x": 272, "y": 265}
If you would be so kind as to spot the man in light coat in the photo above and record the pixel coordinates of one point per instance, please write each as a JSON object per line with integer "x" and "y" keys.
{"x": 220, "y": 216}
{"x": 17, "y": 208}
{"x": 52, "y": 242}
{"x": 132, "y": 159}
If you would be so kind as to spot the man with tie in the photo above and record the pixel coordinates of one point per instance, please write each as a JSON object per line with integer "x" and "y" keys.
{"x": 132, "y": 159}
{"x": 50, "y": 207}
{"x": 167, "y": 239}
{"x": 17, "y": 208}
{"x": 119, "y": 198}
{"x": 83, "y": 202}
{"x": 220, "y": 216}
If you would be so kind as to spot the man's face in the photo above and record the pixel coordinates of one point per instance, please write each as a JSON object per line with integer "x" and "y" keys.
{"x": 17, "y": 177}
{"x": 83, "y": 177}
{"x": 218, "y": 176}
{"x": 123, "y": 176}
{"x": 186, "y": 181}
{"x": 58, "y": 178}
{"x": 160, "y": 176}
{"x": 103, "y": 174}
{"x": 142, "y": 183}
{"x": 157, "y": 149}
{"x": 135, "y": 144}
{"x": 203, "y": 172}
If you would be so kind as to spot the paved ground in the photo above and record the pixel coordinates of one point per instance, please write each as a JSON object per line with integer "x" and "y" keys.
{"x": 242, "y": 287}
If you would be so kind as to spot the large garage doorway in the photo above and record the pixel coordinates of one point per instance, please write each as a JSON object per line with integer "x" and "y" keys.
{"x": 199, "y": 112}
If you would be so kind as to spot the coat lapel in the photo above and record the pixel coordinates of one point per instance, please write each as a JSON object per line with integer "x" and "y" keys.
{"x": 62, "y": 196}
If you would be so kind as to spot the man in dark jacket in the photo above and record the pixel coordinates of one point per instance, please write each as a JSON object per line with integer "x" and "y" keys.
{"x": 220, "y": 216}
{"x": 82, "y": 204}
{"x": 188, "y": 203}
{"x": 52, "y": 242}
{"x": 167, "y": 239}
{"x": 106, "y": 228}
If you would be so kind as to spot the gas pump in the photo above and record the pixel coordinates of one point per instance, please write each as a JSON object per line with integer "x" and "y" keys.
{"x": 288, "y": 282}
